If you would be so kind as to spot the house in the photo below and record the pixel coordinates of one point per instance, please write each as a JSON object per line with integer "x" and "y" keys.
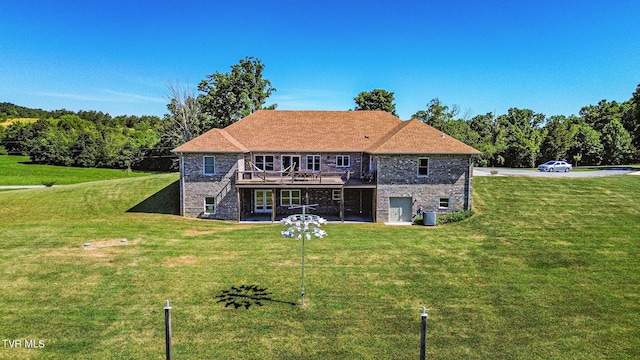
{"x": 356, "y": 165}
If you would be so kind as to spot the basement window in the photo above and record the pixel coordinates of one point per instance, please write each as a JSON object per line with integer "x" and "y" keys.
{"x": 444, "y": 203}
{"x": 209, "y": 205}
{"x": 289, "y": 197}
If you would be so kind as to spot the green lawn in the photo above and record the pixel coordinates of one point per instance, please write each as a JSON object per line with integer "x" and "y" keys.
{"x": 17, "y": 170}
{"x": 546, "y": 269}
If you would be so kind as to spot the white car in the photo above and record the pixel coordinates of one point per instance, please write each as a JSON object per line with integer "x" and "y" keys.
{"x": 555, "y": 165}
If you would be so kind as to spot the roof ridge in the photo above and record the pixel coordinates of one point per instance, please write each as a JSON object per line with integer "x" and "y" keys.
{"x": 232, "y": 140}
{"x": 387, "y": 136}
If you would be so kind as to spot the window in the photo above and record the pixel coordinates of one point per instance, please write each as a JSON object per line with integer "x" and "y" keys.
{"x": 335, "y": 195}
{"x": 289, "y": 197}
{"x": 343, "y": 161}
{"x": 264, "y": 162}
{"x": 444, "y": 203}
{"x": 209, "y": 205}
{"x": 423, "y": 167}
{"x": 209, "y": 165}
{"x": 313, "y": 163}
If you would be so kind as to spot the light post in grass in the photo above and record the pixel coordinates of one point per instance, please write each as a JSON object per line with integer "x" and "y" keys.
{"x": 301, "y": 227}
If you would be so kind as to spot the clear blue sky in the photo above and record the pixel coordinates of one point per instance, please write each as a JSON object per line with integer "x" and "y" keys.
{"x": 551, "y": 56}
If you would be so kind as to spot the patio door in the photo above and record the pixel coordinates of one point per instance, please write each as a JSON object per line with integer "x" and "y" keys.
{"x": 399, "y": 209}
{"x": 288, "y": 160}
{"x": 263, "y": 201}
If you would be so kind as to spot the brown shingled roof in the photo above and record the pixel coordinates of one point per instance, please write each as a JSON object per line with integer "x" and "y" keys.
{"x": 325, "y": 131}
{"x": 214, "y": 140}
{"x": 416, "y": 137}
{"x": 274, "y": 130}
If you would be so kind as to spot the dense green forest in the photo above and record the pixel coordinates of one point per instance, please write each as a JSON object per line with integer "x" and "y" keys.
{"x": 85, "y": 139}
{"x": 604, "y": 134}
{"x": 607, "y": 133}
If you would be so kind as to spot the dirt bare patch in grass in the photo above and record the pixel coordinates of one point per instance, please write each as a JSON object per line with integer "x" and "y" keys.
{"x": 100, "y": 249}
{"x": 109, "y": 243}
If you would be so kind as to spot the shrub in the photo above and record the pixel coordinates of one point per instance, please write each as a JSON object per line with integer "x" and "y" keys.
{"x": 49, "y": 183}
{"x": 454, "y": 217}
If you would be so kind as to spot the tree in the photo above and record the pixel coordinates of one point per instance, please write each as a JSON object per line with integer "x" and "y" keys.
{"x": 631, "y": 121}
{"x": 616, "y": 142}
{"x": 557, "y": 138}
{"x": 231, "y": 96}
{"x": 586, "y": 147}
{"x": 376, "y": 99}
{"x": 520, "y": 130}
{"x": 185, "y": 119}
{"x": 608, "y": 119}
{"x": 489, "y": 143}
{"x": 437, "y": 114}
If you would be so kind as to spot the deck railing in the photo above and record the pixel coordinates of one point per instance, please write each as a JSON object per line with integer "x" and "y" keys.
{"x": 292, "y": 176}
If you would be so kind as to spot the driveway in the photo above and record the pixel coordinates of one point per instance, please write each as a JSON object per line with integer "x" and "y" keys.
{"x": 480, "y": 171}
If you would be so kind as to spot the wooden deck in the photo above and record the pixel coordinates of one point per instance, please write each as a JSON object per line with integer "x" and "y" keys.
{"x": 304, "y": 179}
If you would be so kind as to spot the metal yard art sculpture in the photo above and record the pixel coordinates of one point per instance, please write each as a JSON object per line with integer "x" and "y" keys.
{"x": 302, "y": 227}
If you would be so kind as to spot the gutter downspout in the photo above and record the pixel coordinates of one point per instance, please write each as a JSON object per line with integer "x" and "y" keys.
{"x": 182, "y": 175}
{"x": 469, "y": 179}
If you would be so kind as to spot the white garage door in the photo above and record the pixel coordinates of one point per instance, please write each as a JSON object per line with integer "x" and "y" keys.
{"x": 399, "y": 209}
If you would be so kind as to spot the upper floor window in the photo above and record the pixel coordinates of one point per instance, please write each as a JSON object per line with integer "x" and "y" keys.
{"x": 343, "y": 161}
{"x": 423, "y": 167}
{"x": 209, "y": 165}
{"x": 264, "y": 162}
{"x": 313, "y": 163}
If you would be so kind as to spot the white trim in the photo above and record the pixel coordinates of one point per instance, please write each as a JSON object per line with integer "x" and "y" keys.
{"x": 290, "y": 198}
{"x": 343, "y": 157}
{"x": 290, "y": 158}
{"x": 418, "y": 169}
{"x": 264, "y": 161}
{"x": 447, "y": 199}
{"x": 212, "y": 204}
{"x": 313, "y": 163}
{"x": 204, "y": 165}
{"x": 267, "y": 206}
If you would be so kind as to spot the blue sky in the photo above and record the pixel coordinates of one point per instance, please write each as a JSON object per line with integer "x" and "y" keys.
{"x": 118, "y": 56}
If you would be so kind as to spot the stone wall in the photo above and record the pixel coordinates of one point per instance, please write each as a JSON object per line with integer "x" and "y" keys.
{"x": 449, "y": 177}
{"x": 397, "y": 176}
{"x": 195, "y": 186}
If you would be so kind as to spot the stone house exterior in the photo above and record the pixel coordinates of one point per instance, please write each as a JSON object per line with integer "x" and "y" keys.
{"x": 355, "y": 165}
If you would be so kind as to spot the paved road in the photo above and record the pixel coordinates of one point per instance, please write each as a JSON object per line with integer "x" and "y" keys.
{"x": 479, "y": 171}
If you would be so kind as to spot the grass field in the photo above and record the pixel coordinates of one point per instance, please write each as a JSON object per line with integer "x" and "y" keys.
{"x": 546, "y": 269}
{"x": 17, "y": 170}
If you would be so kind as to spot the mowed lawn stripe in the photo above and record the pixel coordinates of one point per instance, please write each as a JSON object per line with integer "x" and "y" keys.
{"x": 547, "y": 268}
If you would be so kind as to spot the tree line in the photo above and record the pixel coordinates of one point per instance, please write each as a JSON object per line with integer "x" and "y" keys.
{"x": 604, "y": 134}
{"x": 87, "y": 139}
